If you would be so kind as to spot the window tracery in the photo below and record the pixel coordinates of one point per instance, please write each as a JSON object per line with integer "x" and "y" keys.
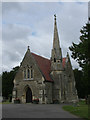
{"x": 28, "y": 73}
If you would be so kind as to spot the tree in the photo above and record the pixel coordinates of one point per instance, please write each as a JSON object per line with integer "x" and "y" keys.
{"x": 80, "y": 86}
{"x": 7, "y": 82}
{"x": 80, "y": 52}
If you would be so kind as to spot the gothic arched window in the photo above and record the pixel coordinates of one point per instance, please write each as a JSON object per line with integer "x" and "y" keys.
{"x": 31, "y": 73}
{"x": 54, "y": 59}
{"x": 25, "y": 74}
{"x": 28, "y": 73}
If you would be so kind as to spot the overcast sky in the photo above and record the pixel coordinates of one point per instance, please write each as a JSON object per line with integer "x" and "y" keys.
{"x": 31, "y": 24}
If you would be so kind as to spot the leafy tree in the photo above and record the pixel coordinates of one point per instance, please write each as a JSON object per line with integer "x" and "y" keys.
{"x": 80, "y": 86}
{"x": 7, "y": 82}
{"x": 80, "y": 52}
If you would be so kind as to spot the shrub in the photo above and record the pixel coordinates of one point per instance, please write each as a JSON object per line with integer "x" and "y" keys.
{"x": 17, "y": 100}
{"x": 36, "y": 101}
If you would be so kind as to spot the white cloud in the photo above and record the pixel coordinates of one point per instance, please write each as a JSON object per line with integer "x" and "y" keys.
{"x": 0, "y": 36}
{"x": 89, "y": 9}
{"x": 32, "y": 24}
{"x": 45, "y": 0}
{"x": 13, "y": 32}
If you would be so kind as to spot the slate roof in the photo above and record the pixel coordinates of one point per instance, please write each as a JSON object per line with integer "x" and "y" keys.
{"x": 44, "y": 65}
{"x": 64, "y": 61}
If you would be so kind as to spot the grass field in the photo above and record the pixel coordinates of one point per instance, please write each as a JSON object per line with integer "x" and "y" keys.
{"x": 5, "y": 102}
{"x": 81, "y": 109}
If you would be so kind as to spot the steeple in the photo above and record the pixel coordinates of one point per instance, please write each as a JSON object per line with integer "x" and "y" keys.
{"x": 28, "y": 48}
{"x": 56, "y": 51}
{"x": 68, "y": 59}
{"x": 56, "y": 37}
{"x": 56, "y": 55}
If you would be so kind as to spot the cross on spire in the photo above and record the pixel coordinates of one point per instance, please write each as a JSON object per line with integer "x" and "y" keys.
{"x": 28, "y": 48}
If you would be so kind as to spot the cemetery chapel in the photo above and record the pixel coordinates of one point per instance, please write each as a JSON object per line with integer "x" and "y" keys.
{"x": 45, "y": 80}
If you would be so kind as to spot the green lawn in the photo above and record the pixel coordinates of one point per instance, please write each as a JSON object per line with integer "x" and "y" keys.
{"x": 5, "y": 103}
{"x": 80, "y": 110}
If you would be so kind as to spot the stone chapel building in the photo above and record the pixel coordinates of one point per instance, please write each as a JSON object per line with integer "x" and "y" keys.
{"x": 47, "y": 80}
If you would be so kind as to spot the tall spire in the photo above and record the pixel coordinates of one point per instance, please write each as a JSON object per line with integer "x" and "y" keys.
{"x": 56, "y": 51}
{"x": 56, "y": 37}
{"x": 28, "y": 48}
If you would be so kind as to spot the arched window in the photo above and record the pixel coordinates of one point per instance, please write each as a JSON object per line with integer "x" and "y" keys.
{"x": 54, "y": 59}
{"x": 28, "y": 73}
{"x": 25, "y": 74}
{"x": 43, "y": 96}
{"x": 31, "y": 73}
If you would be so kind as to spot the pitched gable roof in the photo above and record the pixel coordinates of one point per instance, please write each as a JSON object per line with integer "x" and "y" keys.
{"x": 45, "y": 65}
{"x": 64, "y": 61}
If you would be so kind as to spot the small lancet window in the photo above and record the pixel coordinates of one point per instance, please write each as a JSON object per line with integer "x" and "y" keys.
{"x": 43, "y": 96}
{"x": 25, "y": 74}
{"x": 54, "y": 59}
{"x": 28, "y": 73}
{"x": 31, "y": 73}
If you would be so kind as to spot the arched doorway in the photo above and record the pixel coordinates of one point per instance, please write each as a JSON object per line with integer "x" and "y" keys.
{"x": 28, "y": 95}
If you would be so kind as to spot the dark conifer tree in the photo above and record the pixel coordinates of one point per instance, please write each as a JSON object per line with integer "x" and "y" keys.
{"x": 80, "y": 52}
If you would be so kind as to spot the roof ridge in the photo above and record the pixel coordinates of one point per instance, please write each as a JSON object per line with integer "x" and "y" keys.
{"x": 40, "y": 56}
{"x": 44, "y": 65}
